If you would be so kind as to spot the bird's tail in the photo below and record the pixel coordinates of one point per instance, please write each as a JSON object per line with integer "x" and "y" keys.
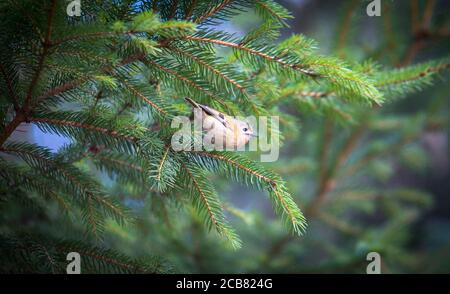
{"x": 195, "y": 104}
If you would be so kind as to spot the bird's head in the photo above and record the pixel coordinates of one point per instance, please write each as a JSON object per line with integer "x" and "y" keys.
{"x": 246, "y": 129}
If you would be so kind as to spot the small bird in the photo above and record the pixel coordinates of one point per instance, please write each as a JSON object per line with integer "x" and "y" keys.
{"x": 222, "y": 131}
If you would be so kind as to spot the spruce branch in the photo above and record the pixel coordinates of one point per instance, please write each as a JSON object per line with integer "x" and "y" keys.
{"x": 210, "y": 67}
{"x": 72, "y": 180}
{"x": 12, "y": 94}
{"x": 243, "y": 170}
{"x": 124, "y": 163}
{"x": 173, "y": 10}
{"x": 212, "y": 11}
{"x": 190, "y": 9}
{"x": 137, "y": 93}
{"x": 31, "y": 181}
{"x": 328, "y": 180}
{"x": 230, "y": 160}
{"x": 345, "y": 26}
{"x": 207, "y": 203}
{"x": 411, "y": 74}
{"x": 185, "y": 80}
{"x": 123, "y": 68}
{"x": 21, "y": 115}
{"x": 364, "y": 160}
{"x": 45, "y": 51}
{"x": 69, "y": 123}
{"x": 161, "y": 164}
{"x": 263, "y": 55}
{"x": 270, "y": 10}
{"x": 20, "y": 252}
{"x": 339, "y": 224}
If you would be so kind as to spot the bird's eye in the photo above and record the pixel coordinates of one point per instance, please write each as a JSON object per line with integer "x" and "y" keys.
{"x": 245, "y": 129}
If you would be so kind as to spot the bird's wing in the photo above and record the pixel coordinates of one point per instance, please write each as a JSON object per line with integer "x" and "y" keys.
{"x": 210, "y": 111}
{"x": 216, "y": 114}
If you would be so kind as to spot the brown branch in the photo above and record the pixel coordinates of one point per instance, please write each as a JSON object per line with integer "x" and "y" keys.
{"x": 414, "y": 16}
{"x": 65, "y": 249}
{"x": 121, "y": 162}
{"x": 431, "y": 70}
{"x": 82, "y": 125}
{"x": 298, "y": 67}
{"x": 185, "y": 80}
{"x": 46, "y": 47}
{"x": 163, "y": 160}
{"x": 211, "y": 68}
{"x": 343, "y": 33}
{"x": 428, "y": 14}
{"x": 173, "y": 11}
{"x": 13, "y": 96}
{"x": 61, "y": 88}
{"x": 21, "y": 114}
{"x": 388, "y": 32}
{"x": 202, "y": 195}
{"x": 109, "y": 204}
{"x": 339, "y": 224}
{"x": 362, "y": 162}
{"x": 213, "y": 11}
{"x": 91, "y": 35}
{"x": 327, "y": 138}
{"x": 98, "y": 97}
{"x": 145, "y": 99}
{"x": 328, "y": 182}
{"x": 77, "y": 82}
{"x": 420, "y": 30}
{"x": 11, "y": 126}
{"x": 123, "y": 109}
{"x": 238, "y": 165}
{"x": 190, "y": 9}
{"x": 95, "y": 35}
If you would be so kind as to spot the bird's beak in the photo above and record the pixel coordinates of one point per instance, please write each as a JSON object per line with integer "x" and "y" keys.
{"x": 253, "y": 135}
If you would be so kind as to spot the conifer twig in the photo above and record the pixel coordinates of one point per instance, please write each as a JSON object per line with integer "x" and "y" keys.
{"x": 190, "y": 9}
{"x": 185, "y": 80}
{"x": 213, "y": 11}
{"x": 238, "y": 165}
{"x": 110, "y": 132}
{"x": 210, "y": 67}
{"x": 46, "y": 46}
{"x": 13, "y": 96}
{"x": 145, "y": 99}
{"x": 345, "y": 28}
{"x": 173, "y": 11}
{"x": 422, "y": 74}
{"x": 202, "y": 194}
{"x": 161, "y": 164}
{"x": 298, "y": 67}
{"x": 328, "y": 182}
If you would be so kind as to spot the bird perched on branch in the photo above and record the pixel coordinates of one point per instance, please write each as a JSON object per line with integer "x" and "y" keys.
{"x": 222, "y": 131}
